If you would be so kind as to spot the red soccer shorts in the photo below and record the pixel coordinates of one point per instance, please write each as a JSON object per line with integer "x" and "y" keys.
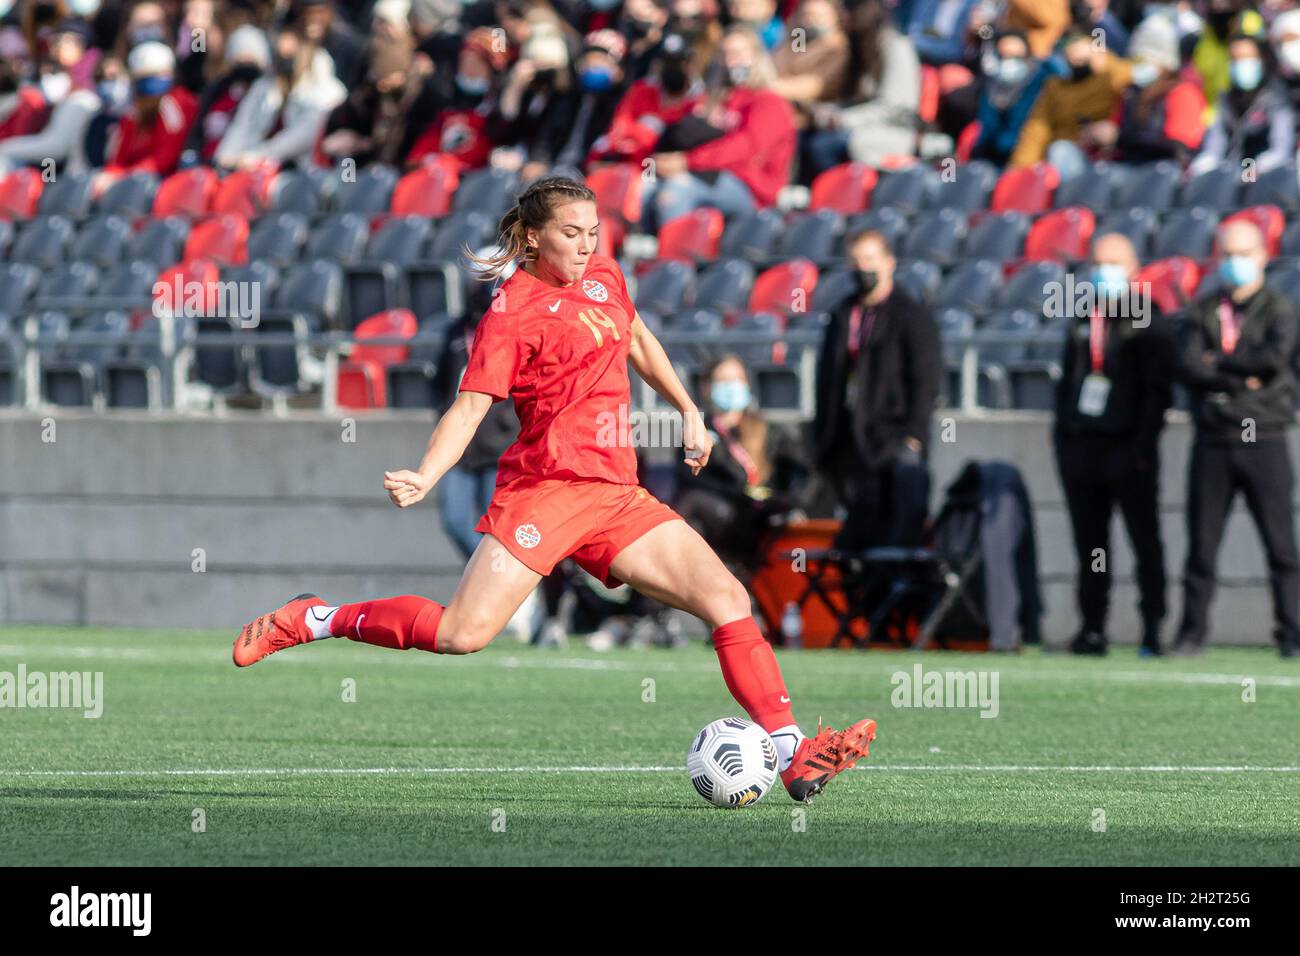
{"x": 542, "y": 522}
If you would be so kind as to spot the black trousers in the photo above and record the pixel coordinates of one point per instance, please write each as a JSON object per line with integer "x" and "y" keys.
{"x": 1262, "y": 472}
{"x": 1099, "y": 474}
{"x": 887, "y": 505}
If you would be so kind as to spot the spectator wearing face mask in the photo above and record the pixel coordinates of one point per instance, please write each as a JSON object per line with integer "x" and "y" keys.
{"x": 734, "y": 151}
{"x": 1211, "y": 56}
{"x": 283, "y": 113}
{"x": 457, "y": 123}
{"x": 760, "y": 16}
{"x": 1162, "y": 115}
{"x": 650, "y": 106}
{"x": 697, "y": 22}
{"x": 813, "y": 68}
{"x": 756, "y": 472}
{"x": 151, "y": 136}
{"x": 535, "y": 101}
{"x": 1284, "y": 36}
{"x": 1255, "y": 120}
{"x": 1072, "y": 122}
{"x": 644, "y": 25}
{"x": 61, "y": 137}
{"x": 247, "y": 58}
{"x": 1013, "y": 80}
{"x": 1236, "y": 361}
{"x": 146, "y": 22}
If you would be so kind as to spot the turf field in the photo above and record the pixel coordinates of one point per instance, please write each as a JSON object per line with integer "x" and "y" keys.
{"x": 518, "y": 756}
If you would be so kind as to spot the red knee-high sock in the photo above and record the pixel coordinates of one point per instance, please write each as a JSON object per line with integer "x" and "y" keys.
{"x": 754, "y": 678}
{"x": 399, "y": 622}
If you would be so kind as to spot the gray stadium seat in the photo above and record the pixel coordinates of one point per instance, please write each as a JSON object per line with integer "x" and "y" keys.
{"x": 999, "y": 236}
{"x": 1153, "y": 186}
{"x": 1215, "y": 189}
{"x": 131, "y": 196}
{"x": 906, "y": 190}
{"x": 724, "y": 286}
{"x": 44, "y": 241}
{"x": 161, "y": 241}
{"x": 969, "y": 189}
{"x": 665, "y": 287}
{"x": 936, "y": 235}
{"x": 339, "y": 237}
{"x": 102, "y": 240}
{"x": 1186, "y": 232}
{"x": 277, "y": 237}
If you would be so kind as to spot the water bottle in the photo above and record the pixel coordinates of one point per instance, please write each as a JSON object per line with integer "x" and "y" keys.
{"x": 791, "y": 625}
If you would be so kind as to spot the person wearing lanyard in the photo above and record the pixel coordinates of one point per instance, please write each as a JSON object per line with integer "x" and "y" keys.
{"x": 1116, "y": 383}
{"x": 877, "y": 384}
{"x": 1237, "y": 362}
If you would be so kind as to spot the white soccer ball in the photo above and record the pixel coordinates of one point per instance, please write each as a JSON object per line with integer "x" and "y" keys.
{"x": 732, "y": 762}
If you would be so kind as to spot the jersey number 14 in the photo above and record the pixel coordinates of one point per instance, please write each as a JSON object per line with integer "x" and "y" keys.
{"x": 596, "y": 319}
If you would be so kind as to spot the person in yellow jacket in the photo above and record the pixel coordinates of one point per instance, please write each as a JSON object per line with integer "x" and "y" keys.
{"x": 1073, "y": 119}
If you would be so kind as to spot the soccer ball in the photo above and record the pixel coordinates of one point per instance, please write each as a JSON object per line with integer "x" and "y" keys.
{"x": 732, "y": 762}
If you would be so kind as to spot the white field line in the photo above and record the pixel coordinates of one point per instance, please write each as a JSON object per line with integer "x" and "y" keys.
{"x": 653, "y": 661}
{"x": 411, "y": 771}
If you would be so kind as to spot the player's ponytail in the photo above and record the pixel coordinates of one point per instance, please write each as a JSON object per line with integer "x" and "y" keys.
{"x": 532, "y": 210}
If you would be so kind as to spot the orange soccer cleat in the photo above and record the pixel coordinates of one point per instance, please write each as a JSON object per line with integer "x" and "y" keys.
{"x": 283, "y": 627}
{"x": 820, "y": 758}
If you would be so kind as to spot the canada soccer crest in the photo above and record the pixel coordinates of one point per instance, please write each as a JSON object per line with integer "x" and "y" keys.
{"x": 595, "y": 290}
{"x": 528, "y": 536}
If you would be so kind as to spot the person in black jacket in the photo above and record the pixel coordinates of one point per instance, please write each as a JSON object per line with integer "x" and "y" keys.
{"x": 1116, "y": 383}
{"x": 1236, "y": 360}
{"x": 877, "y": 383}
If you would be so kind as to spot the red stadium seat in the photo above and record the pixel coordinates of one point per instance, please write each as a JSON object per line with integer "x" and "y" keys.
{"x": 966, "y": 141}
{"x": 20, "y": 191}
{"x": 188, "y": 287}
{"x": 695, "y": 235}
{"x": 187, "y": 193}
{"x": 845, "y": 188}
{"x": 363, "y": 378}
{"x": 928, "y": 109}
{"x": 610, "y": 238}
{"x": 784, "y": 288}
{"x": 1027, "y": 189}
{"x": 618, "y": 191}
{"x": 1271, "y": 222}
{"x": 223, "y": 239}
{"x": 1173, "y": 282}
{"x": 428, "y": 190}
{"x": 1063, "y": 235}
{"x": 246, "y": 192}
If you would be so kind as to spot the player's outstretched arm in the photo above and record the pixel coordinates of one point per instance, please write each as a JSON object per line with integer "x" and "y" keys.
{"x": 651, "y": 362}
{"x": 446, "y": 445}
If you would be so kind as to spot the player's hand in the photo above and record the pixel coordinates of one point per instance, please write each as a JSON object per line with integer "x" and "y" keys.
{"x": 406, "y": 488}
{"x": 695, "y": 437}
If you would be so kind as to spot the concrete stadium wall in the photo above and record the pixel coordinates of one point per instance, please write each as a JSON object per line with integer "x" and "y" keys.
{"x": 100, "y": 525}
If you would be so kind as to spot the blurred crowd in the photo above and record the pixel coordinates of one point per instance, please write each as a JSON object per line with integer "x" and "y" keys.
{"x": 733, "y": 99}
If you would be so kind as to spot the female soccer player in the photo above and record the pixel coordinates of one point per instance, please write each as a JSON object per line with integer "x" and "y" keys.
{"x": 558, "y": 339}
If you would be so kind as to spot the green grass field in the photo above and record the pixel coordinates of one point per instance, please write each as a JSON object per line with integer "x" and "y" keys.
{"x": 521, "y": 756}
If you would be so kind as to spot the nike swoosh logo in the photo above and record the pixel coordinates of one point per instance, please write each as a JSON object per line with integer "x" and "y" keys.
{"x": 556, "y": 306}
{"x": 360, "y": 618}
{"x": 784, "y": 699}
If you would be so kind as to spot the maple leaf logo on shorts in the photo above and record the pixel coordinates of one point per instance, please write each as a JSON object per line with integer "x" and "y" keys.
{"x": 528, "y": 536}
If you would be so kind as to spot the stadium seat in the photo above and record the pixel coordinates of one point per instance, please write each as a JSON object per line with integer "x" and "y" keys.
{"x": 1277, "y": 187}
{"x": 436, "y": 288}
{"x": 777, "y": 387}
{"x": 784, "y": 288}
{"x": 664, "y": 288}
{"x": 1269, "y": 219}
{"x": 1018, "y": 322}
{"x": 159, "y": 241}
{"x": 369, "y": 194}
{"x": 131, "y": 196}
{"x": 68, "y": 195}
{"x": 920, "y": 279}
{"x": 245, "y": 192}
{"x": 111, "y": 323}
{"x": 371, "y": 287}
{"x": 277, "y": 237}
{"x": 1026, "y": 189}
{"x": 889, "y": 222}
{"x": 66, "y": 285}
{"x": 702, "y": 323}
{"x": 18, "y": 283}
{"x": 972, "y": 286}
{"x": 1172, "y": 281}
{"x": 473, "y": 228}
{"x": 428, "y": 189}
{"x": 314, "y": 288}
{"x": 1095, "y": 188}
{"x": 6, "y": 237}
{"x": 223, "y": 239}
{"x": 127, "y": 285}
{"x": 953, "y": 324}
{"x": 42, "y": 242}
{"x": 188, "y": 193}
{"x": 618, "y": 189}
{"x": 257, "y": 282}
{"x": 752, "y": 236}
{"x": 844, "y": 189}
{"x": 295, "y": 191}
{"x": 400, "y": 240}
{"x": 905, "y": 190}
{"x": 724, "y": 286}
{"x": 68, "y": 384}
{"x": 412, "y": 385}
{"x": 998, "y": 236}
{"x": 129, "y": 384}
{"x": 219, "y": 365}
{"x": 1186, "y": 232}
{"x": 275, "y": 371}
{"x": 936, "y": 235}
{"x": 1285, "y": 278}
{"x": 488, "y": 192}
{"x": 1137, "y": 224}
{"x": 1063, "y": 235}
{"x": 1153, "y": 186}
{"x": 967, "y": 189}
{"x": 1030, "y": 287}
{"x": 339, "y": 237}
{"x": 1291, "y": 239}
{"x": 833, "y": 287}
{"x": 1214, "y": 189}
{"x": 20, "y": 193}
{"x": 187, "y": 288}
{"x": 1033, "y": 384}
{"x": 815, "y": 236}
{"x": 102, "y": 240}
{"x": 697, "y": 235}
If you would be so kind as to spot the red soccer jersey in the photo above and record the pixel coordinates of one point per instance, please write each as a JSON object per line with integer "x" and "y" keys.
{"x": 561, "y": 353}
